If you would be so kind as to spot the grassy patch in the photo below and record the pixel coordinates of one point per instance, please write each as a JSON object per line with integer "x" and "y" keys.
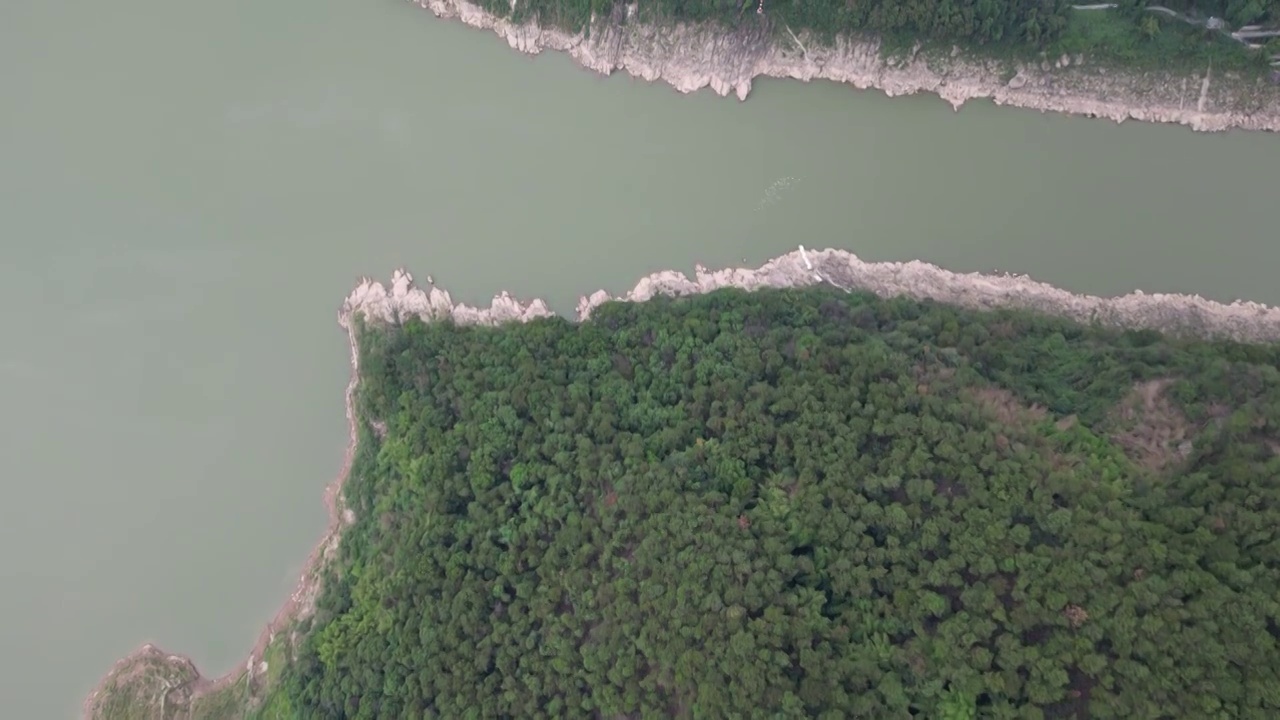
{"x": 276, "y": 707}
{"x": 1154, "y": 42}
{"x": 276, "y": 656}
{"x": 269, "y": 703}
{"x": 227, "y": 704}
{"x": 1107, "y": 39}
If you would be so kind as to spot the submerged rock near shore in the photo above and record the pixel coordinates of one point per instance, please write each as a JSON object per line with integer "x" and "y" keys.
{"x": 691, "y": 57}
{"x": 1177, "y": 314}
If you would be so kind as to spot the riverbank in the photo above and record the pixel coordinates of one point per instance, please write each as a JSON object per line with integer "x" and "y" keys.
{"x": 171, "y": 683}
{"x": 692, "y": 57}
{"x": 160, "y": 680}
{"x": 1187, "y": 315}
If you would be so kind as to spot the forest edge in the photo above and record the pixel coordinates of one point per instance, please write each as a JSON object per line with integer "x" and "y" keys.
{"x": 180, "y": 682}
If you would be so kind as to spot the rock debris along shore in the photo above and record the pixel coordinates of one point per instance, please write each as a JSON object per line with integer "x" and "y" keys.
{"x": 691, "y": 57}
{"x": 1178, "y": 314}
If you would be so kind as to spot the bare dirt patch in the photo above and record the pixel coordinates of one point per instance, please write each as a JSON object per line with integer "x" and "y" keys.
{"x": 1008, "y": 408}
{"x": 1150, "y": 429}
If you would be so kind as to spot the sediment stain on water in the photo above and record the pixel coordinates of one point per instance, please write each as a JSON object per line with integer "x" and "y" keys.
{"x": 176, "y": 408}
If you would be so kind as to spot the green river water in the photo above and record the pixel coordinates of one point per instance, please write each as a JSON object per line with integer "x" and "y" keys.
{"x": 188, "y": 190}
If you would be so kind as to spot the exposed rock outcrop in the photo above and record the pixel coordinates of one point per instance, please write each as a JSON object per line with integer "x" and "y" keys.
{"x": 404, "y": 298}
{"x": 1178, "y": 314}
{"x": 690, "y": 57}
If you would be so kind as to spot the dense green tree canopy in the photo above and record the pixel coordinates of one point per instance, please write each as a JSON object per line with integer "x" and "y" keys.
{"x": 1036, "y": 23}
{"x": 977, "y": 21}
{"x": 804, "y": 504}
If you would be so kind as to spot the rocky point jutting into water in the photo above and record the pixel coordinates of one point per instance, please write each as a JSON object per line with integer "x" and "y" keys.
{"x": 1179, "y": 314}
{"x": 690, "y": 57}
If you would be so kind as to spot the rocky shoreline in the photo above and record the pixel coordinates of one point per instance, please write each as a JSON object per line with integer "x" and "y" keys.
{"x": 1176, "y": 314}
{"x": 180, "y": 682}
{"x": 691, "y": 57}
{"x": 181, "y": 685}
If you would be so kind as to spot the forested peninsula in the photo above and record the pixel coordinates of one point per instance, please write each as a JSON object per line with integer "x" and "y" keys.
{"x": 1209, "y": 64}
{"x": 819, "y": 488}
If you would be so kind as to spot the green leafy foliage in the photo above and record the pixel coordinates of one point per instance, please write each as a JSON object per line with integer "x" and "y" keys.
{"x": 1032, "y": 24}
{"x": 793, "y": 504}
{"x": 976, "y": 21}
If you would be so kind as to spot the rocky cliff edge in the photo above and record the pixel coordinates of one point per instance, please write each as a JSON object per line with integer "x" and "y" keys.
{"x": 690, "y": 57}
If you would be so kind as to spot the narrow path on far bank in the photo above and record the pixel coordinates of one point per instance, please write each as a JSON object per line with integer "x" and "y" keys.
{"x": 1242, "y": 35}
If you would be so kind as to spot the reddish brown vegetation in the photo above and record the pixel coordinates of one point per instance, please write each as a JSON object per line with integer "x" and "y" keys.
{"x": 1009, "y": 409}
{"x": 1152, "y": 430}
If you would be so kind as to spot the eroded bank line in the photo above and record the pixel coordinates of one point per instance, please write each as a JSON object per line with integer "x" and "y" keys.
{"x": 301, "y": 602}
{"x": 1191, "y": 315}
{"x": 1204, "y": 88}
{"x": 690, "y": 57}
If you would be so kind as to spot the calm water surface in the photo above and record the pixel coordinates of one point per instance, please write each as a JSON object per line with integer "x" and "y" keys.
{"x": 189, "y": 189}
